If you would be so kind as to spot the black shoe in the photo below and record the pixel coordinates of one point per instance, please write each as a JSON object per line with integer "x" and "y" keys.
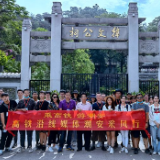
{"x": 103, "y": 148}
{"x": 135, "y": 151}
{"x": 78, "y": 150}
{"x": 116, "y": 145}
{"x": 151, "y": 148}
{"x": 93, "y": 148}
{"x": 43, "y": 148}
{"x": 147, "y": 151}
{"x": 39, "y": 146}
{"x": 14, "y": 146}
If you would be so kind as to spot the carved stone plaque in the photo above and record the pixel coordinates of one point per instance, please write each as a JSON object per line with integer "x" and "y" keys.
{"x": 40, "y": 46}
{"x": 148, "y": 46}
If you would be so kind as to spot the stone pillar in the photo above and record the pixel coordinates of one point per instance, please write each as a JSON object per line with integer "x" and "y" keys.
{"x": 25, "y": 61}
{"x": 55, "y": 62}
{"x": 159, "y": 56}
{"x": 133, "y": 62}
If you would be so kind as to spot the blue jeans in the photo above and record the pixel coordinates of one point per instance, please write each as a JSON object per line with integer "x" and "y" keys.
{"x": 63, "y": 136}
{"x": 155, "y": 132}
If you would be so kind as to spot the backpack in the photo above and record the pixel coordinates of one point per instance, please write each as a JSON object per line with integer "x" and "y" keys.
{"x": 119, "y": 107}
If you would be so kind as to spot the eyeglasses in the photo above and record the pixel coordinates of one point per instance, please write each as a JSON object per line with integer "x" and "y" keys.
{"x": 139, "y": 97}
{"x": 55, "y": 97}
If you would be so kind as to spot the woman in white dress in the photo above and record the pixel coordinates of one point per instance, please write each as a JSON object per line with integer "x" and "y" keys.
{"x": 110, "y": 106}
{"x": 125, "y": 108}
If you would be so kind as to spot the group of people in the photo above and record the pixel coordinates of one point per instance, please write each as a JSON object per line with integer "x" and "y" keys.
{"x": 66, "y": 100}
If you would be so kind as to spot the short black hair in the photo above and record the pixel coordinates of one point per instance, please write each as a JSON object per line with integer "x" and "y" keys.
{"x": 62, "y": 91}
{"x": 4, "y": 94}
{"x": 20, "y": 90}
{"x": 83, "y": 93}
{"x": 98, "y": 93}
{"x": 48, "y": 92}
{"x": 139, "y": 94}
{"x": 68, "y": 91}
{"x": 42, "y": 92}
{"x": 26, "y": 90}
{"x": 34, "y": 92}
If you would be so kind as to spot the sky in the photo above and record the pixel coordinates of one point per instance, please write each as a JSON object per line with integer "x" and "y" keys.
{"x": 148, "y": 9}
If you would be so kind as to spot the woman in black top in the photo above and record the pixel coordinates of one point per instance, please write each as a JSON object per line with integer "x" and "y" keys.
{"x": 5, "y": 107}
{"x": 54, "y": 105}
{"x": 42, "y": 105}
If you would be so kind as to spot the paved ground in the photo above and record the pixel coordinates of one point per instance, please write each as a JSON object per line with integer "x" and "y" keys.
{"x": 98, "y": 154}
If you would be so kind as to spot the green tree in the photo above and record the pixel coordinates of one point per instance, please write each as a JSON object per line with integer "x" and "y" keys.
{"x": 40, "y": 71}
{"x": 11, "y": 16}
{"x": 152, "y": 26}
{"x": 3, "y": 58}
{"x": 77, "y": 62}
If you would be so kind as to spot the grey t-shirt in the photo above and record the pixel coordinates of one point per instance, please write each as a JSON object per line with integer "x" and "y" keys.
{"x": 136, "y": 106}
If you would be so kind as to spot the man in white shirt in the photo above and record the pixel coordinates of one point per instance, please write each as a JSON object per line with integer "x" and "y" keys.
{"x": 84, "y": 105}
{"x": 20, "y": 96}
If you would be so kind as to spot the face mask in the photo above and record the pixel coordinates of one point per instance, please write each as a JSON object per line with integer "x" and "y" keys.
{"x": 26, "y": 97}
{"x": 139, "y": 102}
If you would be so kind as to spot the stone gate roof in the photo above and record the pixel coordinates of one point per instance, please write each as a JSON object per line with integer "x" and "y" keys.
{"x": 10, "y": 75}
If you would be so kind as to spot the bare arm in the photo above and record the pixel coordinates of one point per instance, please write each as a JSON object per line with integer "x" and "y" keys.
{"x": 3, "y": 120}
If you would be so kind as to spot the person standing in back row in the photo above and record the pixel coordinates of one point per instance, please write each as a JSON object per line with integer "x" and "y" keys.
{"x": 24, "y": 105}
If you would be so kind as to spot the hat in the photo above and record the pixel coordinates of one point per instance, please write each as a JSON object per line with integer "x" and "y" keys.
{"x": 4, "y": 94}
{"x": 75, "y": 92}
{"x": 92, "y": 96}
{"x": 118, "y": 90}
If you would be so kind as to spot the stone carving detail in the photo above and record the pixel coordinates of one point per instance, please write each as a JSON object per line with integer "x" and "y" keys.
{"x": 148, "y": 47}
{"x": 133, "y": 8}
{"x": 40, "y": 46}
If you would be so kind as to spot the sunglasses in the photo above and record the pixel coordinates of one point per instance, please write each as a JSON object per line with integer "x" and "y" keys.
{"x": 55, "y": 97}
{"x": 139, "y": 97}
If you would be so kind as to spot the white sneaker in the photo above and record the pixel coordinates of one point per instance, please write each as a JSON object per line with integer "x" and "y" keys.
{"x": 159, "y": 153}
{"x": 122, "y": 149}
{"x": 30, "y": 150}
{"x": 1, "y": 152}
{"x": 111, "y": 150}
{"x": 56, "y": 147}
{"x": 99, "y": 144}
{"x": 50, "y": 149}
{"x": 20, "y": 149}
{"x": 126, "y": 150}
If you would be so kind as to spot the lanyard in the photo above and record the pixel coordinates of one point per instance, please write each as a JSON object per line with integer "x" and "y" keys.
{"x": 68, "y": 105}
{"x": 100, "y": 106}
{"x": 118, "y": 101}
{"x": 40, "y": 105}
{"x": 26, "y": 103}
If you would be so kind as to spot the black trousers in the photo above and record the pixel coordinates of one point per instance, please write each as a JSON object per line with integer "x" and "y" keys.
{"x": 29, "y": 138}
{"x": 52, "y": 137}
{"x": 6, "y": 140}
{"x": 87, "y": 138}
{"x": 15, "y": 137}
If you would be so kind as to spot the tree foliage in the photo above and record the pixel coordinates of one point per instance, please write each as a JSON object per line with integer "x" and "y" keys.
{"x": 77, "y": 62}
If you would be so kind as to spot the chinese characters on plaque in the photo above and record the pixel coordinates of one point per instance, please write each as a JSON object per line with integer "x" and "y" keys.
{"x": 115, "y": 32}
